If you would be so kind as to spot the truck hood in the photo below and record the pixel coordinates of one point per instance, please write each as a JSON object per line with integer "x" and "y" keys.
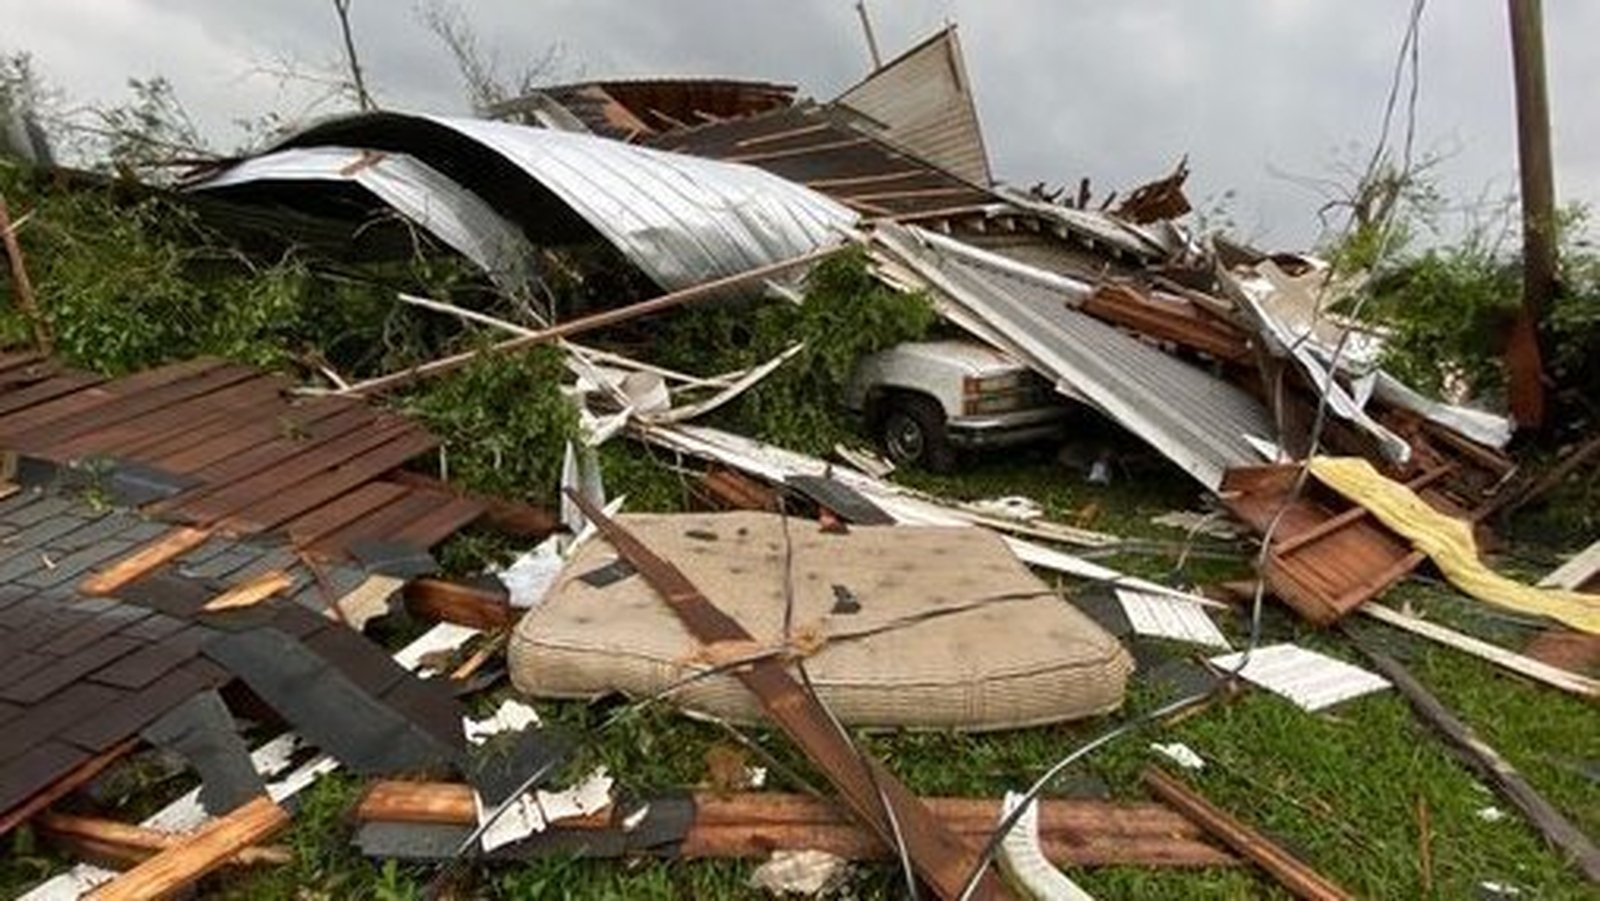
{"x": 977, "y": 359}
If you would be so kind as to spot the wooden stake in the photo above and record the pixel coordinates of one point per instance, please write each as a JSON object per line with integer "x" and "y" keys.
{"x": 180, "y": 865}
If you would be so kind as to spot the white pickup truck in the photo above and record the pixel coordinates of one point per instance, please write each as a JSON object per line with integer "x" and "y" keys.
{"x": 926, "y": 400}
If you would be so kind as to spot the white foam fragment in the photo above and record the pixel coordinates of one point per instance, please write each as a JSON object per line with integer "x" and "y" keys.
{"x": 1180, "y": 754}
{"x": 1164, "y": 616}
{"x": 1311, "y": 680}
{"x": 520, "y": 819}
{"x": 511, "y": 716}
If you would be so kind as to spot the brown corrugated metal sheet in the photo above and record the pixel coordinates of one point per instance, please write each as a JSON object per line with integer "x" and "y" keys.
{"x": 635, "y": 109}
{"x": 923, "y": 102}
{"x": 830, "y": 151}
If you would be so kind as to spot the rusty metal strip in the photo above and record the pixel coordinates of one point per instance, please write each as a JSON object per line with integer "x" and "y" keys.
{"x": 941, "y": 858}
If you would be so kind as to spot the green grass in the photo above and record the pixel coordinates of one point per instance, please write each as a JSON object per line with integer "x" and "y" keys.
{"x": 1341, "y": 788}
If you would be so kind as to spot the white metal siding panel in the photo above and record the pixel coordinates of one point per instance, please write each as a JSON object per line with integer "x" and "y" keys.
{"x": 923, "y": 100}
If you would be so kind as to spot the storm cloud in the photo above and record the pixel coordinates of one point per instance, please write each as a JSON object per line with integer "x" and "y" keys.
{"x": 1248, "y": 89}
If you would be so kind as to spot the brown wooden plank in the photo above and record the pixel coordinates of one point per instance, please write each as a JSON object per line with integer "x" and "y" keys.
{"x": 307, "y": 528}
{"x": 382, "y": 524}
{"x": 222, "y": 500}
{"x": 28, "y": 374}
{"x": 60, "y": 788}
{"x": 205, "y": 850}
{"x": 185, "y": 454}
{"x": 751, "y": 825}
{"x": 169, "y": 546}
{"x": 468, "y": 605}
{"x": 44, "y": 438}
{"x": 222, "y": 479}
{"x": 82, "y": 402}
{"x": 448, "y": 515}
{"x": 15, "y": 359}
{"x": 943, "y": 859}
{"x": 513, "y": 517}
{"x": 49, "y": 389}
{"x": 241, "y": 400}
{"x": 310, "y": 493}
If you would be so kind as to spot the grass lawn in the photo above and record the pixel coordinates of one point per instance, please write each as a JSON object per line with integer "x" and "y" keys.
{"x": 1344, "y": 788}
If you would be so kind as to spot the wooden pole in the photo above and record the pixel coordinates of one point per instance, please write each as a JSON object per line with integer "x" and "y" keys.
{"x": 1538, "y": 210}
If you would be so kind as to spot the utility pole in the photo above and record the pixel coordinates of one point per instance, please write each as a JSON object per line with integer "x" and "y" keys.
{"x": 872, "y": 42}
{"x": 1538, "y": 211}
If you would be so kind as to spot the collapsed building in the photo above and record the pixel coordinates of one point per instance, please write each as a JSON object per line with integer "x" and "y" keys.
{"x": 890, "y": 609}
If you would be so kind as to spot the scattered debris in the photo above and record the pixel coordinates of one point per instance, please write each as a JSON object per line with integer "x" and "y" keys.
{"x": 1487, "y": 763}
{"x": 1180, "y": 754}
{"x": 1164, "y": 616}
{"x": 1311, "y": 680}
{"x": 808, "y": 873}
{"x": 1024, "y": 861}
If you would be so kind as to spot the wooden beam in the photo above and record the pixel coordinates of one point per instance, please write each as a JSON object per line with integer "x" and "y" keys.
{"x": 175, "y": 543}
{"x": 1291, "y": 873}
{"x": 1521, "y": 664}
{"x": 181, "y": 865}
{"x": 128, "y": 844}
{"x": 752, "y": 825}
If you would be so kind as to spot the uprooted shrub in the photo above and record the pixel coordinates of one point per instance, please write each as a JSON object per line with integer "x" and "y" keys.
{"x": 504, "y": 422}
{"x": 847, "y": 313}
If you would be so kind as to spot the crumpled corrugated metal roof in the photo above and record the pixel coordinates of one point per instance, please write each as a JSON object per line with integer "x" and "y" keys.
{"x": 414, "y": 189}
{"x": 1195, "y": 419}
{"x": 682, "y": 220}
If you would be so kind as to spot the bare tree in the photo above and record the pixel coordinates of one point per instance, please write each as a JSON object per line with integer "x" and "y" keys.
{"x": 479, "y": 65}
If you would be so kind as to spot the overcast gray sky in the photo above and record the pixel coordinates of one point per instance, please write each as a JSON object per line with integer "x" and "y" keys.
{"x": 1113, "y": 90}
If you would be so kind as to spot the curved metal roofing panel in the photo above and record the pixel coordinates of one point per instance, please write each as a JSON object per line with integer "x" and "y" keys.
{"x": 414, "y": 189}
{"x": 683, "y": 220}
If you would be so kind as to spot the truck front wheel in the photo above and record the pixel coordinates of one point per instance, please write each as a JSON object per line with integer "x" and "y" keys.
{"x": 914, "y": 432}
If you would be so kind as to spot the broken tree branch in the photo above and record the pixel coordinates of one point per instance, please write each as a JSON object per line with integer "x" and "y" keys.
{"x": 20, "y": 282}
{"x": 363, "y": 99}
{"x": 1487, "y": 762}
